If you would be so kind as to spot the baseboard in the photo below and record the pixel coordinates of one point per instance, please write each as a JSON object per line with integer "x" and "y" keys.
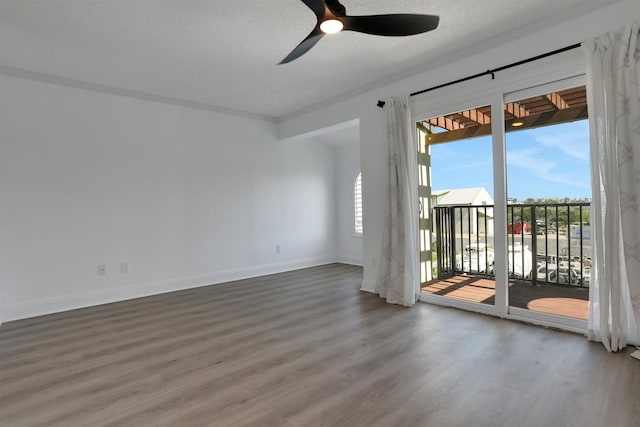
{"x": 350, "y": 260}
{"x": 41, "y": 307}
{"x": 368, "y": 286}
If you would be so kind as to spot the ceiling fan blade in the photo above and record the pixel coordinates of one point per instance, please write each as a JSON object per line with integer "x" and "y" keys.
{"x": 304, "y": 46}
{"x": 317, "y": 6}
{"x": 399, "y": 24}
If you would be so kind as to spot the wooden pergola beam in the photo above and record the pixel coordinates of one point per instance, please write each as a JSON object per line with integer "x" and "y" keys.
{"x": 476, "y": 116}
{"x": 557, "y": 101}
{"x": 532, "y": 121}
{"x": 456, "y": 135}
{"x": 451, "y": 124}
{"x": 516, "y": 110}
{"x": 445, "y": 123}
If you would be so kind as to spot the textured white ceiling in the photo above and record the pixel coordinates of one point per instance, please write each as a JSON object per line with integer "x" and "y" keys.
{"x": 223, "y": 53}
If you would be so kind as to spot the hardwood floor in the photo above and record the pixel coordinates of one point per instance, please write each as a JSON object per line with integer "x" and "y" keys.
{"x": 304, "y": 348}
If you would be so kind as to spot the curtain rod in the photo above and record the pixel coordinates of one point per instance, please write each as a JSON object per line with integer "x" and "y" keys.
{"x": 493, "y": 71}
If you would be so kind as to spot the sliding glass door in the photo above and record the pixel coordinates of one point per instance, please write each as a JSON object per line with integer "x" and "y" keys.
{"x": 456, "y": 198}
{"x": 505, "y": 204}
{"x": 548, "y": 200}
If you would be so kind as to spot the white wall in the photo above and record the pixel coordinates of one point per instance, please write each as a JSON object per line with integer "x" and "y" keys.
{"x": 185, "y": 197}
{"x": 491, "y": 54}
{"x": 349, "y": 246}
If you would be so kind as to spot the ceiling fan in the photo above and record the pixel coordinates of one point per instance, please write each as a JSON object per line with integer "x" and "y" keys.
{"x": 332, "y": 18}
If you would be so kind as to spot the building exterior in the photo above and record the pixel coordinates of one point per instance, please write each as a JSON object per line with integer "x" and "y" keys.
{"x": 478, "y": 218}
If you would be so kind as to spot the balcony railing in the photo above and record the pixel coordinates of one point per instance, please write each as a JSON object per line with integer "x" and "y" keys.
{"x": 547, "y": 243}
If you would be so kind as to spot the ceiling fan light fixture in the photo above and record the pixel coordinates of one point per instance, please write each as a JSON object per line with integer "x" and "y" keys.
{"x": 331, "y": 26}
{"x": 331, "y": 18}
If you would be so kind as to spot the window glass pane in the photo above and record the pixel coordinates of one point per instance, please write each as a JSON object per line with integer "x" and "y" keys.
{"x": 548, "y": 200}
{"x": 456, "y": 198}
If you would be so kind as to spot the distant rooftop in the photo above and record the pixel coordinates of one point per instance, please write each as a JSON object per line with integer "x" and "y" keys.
{"x": 463, "y": 196}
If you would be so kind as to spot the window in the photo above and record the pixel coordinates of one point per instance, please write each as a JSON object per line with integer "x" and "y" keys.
{"x": 357, "y": 204}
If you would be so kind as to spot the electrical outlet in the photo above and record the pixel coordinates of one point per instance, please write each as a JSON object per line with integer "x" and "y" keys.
{"x": 102, "y": 269}
{"x": 124, "y": 267}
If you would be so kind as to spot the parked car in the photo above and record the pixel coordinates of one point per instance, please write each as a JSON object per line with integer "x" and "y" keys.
{"x": 562, "y": 275}
{"x": 544, "y": 274}
{"x": 568, "y": 276}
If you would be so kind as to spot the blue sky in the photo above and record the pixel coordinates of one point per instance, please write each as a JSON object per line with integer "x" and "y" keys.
{"x": 551, "y": 161}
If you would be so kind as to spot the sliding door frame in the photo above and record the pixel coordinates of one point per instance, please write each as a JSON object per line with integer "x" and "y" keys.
{"x": 553, "y": 72}
{"x": 521, "y": 313}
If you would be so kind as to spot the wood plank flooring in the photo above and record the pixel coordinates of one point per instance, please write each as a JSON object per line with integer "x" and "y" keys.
{"x": 561, "y": 300}
{"x": 304, "y": 348}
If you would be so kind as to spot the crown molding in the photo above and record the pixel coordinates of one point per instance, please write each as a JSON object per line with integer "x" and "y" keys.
{"x": 112, "y": 90}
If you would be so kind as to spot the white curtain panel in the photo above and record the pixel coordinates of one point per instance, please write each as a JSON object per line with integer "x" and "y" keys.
{"x": 613, "y": 84}
{"x": 398, "y": 279}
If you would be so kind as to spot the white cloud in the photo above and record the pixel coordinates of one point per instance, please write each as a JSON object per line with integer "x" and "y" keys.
{"x": 530, "y": 159}
{"x": 571, "y": 139}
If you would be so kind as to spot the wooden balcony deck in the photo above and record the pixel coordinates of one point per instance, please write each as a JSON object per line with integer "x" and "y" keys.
{"x": 560, "y": 300}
